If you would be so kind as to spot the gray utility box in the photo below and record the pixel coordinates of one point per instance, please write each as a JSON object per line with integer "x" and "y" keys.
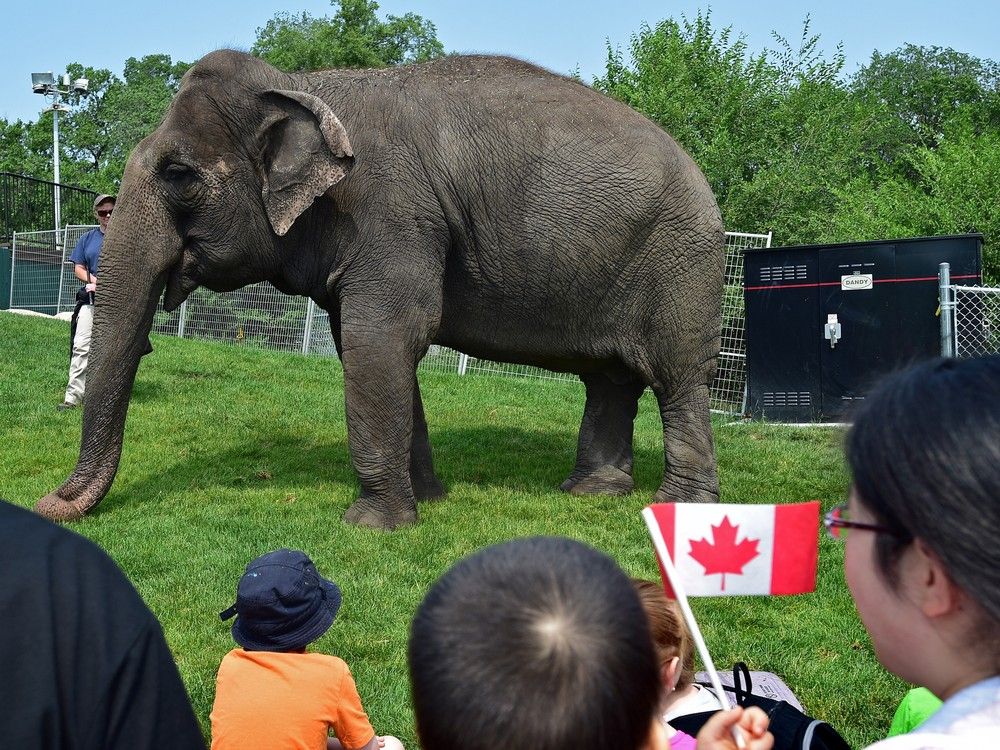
{"x": 824, "y": 321}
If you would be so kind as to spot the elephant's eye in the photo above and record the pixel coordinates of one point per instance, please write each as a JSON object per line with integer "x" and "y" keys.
{"x": 179, "y": 175}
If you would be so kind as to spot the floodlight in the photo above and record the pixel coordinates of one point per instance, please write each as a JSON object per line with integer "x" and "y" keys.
{"x": 65, "y": 79}
{"x": 40, "y": 82}
{"x": 81, "y": 85}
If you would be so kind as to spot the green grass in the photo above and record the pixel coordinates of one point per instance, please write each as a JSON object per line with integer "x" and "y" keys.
{"x": 232, "y": 452}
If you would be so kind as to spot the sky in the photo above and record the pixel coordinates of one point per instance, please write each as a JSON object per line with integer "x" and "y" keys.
{"x": 562, "y": 35}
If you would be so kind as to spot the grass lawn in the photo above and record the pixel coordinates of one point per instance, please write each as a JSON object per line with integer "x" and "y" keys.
{"x": 232, "y": 452}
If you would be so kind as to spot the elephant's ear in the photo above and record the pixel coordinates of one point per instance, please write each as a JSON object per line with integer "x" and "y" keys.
{"x": 305, "y": 151}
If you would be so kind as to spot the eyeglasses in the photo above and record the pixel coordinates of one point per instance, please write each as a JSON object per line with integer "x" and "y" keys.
{"x": 837, "y": 524}
{"x": 105, "y": 214}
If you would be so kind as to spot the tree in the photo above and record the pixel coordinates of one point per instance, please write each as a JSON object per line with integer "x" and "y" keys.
{"x": 23, "y": 148}
{"x": 924, "y": 87}
{"x": 353, "y": 37}
{"x": 952, "y": 193}
{"x": 106, "y": 125}
{"x": 775, "y": 133}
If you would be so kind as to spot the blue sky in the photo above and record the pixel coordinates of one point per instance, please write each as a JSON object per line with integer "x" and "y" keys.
{"x": 560, "y": 35}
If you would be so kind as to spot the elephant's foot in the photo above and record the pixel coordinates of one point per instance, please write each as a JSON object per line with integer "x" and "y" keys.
{"x": 428, "y": 488}
{"x": 367, "y": 512}
{"x": 607, "y": 480}
{"x": 56, "y": 509}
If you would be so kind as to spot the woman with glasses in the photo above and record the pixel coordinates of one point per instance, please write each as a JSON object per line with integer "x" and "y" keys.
{"x": 922, "y": 535}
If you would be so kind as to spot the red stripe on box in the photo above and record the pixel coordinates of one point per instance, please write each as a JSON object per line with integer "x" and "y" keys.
{"x": 664, "y": 513}
{"x": 796, "y": 548}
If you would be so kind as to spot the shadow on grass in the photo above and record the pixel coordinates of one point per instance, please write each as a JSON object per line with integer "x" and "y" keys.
{"x": 147, "y": 390}
{"x": 490, "y": 457}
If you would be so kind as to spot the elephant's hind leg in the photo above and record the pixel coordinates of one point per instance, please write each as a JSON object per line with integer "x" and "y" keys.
{"x": 689, "y": 473}
{"x": 426, "y": 485}
{"x": 604, "y": 449}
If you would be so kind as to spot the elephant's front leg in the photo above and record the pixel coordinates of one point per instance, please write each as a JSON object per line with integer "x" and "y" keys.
{"x": 379, "y": 376}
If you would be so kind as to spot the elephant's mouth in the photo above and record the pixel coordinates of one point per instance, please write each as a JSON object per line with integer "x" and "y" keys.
{"x": 179, "y": 282}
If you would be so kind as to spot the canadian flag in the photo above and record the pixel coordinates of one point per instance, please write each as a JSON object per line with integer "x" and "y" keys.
{"x": 730, "y": 550}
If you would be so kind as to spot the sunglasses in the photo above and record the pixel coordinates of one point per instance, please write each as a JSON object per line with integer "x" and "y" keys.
{"x": 837, "y": 523}
{"x": 104, "y": 214}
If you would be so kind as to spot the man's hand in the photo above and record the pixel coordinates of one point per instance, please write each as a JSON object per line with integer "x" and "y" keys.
{"x": 717, "y": 734}
{"x": 92, "y": 286}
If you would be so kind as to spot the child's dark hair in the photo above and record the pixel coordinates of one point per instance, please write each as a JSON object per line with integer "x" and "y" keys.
{"x": 537, "y": 643}
{"x": 924, "y": 452}
{"x": 668, "y": 629}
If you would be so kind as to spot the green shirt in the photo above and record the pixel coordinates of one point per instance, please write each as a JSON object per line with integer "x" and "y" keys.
{"x": 915, "y": 708}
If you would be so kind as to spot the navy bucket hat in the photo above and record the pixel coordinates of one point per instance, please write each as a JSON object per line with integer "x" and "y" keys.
{"x": 282, "y": 603}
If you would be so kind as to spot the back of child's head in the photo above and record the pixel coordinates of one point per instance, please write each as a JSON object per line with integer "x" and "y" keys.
{"x": 671, "y": 637}
{"x": 537, "y": 643}
{"x": 282, "y": 603}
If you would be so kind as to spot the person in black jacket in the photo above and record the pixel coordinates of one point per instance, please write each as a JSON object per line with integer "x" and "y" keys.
{"x": 84, "y": 662}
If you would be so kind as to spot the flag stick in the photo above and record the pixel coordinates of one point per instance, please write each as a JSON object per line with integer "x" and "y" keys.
{"x": 682, "y": 601}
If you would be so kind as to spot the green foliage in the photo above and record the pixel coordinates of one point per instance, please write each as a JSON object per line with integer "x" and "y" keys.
{"x": 906, "y": 147}
{"x": 23, "y": 147}
{"x": 952, "y": 192}
{"x": 922, "y": 88}
{"x": 353, "y": 37}
{"x": 231, "y": 452}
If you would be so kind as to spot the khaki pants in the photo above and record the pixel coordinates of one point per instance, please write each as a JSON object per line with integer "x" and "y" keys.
{"x": 81, "y": 349}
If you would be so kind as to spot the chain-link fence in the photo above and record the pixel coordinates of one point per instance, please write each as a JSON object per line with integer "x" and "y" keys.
{"x": 261, "y": 316}
{"x": 728, "y": 392}
{"x": 976, "y": 320}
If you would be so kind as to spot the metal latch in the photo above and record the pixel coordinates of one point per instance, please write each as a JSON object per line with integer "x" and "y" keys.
{"x": 831, "y": 331}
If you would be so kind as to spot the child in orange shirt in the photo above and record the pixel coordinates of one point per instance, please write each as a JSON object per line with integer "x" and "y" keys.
{"x": 273, "y": 694}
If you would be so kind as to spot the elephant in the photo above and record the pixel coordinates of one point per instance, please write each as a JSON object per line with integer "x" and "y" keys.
{"x": 476, "y": 202}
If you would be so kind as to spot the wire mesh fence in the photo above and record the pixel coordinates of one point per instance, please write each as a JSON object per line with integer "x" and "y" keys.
{"x": 260, "y": 316}
{"x": 41, "y": 276}
{"x": 976, "y": 320}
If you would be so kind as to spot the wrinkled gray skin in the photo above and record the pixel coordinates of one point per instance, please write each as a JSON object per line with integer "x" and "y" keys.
{"x": 475, "y": 202}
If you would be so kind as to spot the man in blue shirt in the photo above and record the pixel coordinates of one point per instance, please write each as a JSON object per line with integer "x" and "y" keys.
{"x": 86, "y": 256}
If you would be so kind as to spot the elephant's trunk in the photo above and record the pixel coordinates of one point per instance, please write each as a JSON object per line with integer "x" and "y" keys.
{"x": 110, "y": 375}
{"x": 130, "y": 283}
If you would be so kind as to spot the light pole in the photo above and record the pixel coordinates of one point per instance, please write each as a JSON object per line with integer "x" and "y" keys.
{"x": 46, "y": 85}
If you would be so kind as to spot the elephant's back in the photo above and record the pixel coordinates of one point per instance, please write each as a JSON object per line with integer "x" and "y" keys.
{"x": 494, "y": 102}
{"x": 560, "y": 203}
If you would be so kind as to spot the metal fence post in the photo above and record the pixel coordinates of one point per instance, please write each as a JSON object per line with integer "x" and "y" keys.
{"x": 308, "y": 328}
{"x": 180, "y": 319}
{"x": 463, "y": 363}
{"x": 62, "y": 276}
{"x": 13, "y": 261}
{"x": 947, "y": 310}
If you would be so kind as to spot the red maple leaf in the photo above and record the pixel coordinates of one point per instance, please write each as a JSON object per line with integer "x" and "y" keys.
{"x": 724, "y": 555}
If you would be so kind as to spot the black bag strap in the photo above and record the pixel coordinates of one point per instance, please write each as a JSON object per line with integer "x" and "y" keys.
{"x": 742, "y": 686}
{"x": 741, "y": 676}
